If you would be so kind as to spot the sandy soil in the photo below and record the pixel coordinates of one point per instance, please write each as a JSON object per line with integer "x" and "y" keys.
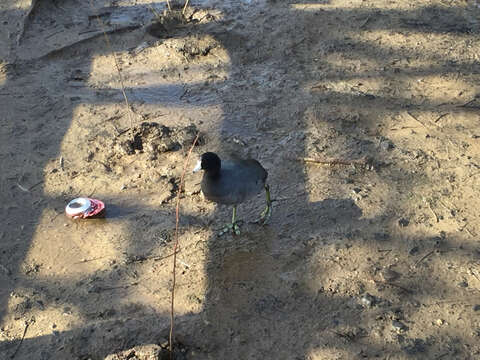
{"x": 376, "y": 259}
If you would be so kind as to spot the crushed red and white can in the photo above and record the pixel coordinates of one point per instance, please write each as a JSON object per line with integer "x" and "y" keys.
{"x": 82, "y": 208}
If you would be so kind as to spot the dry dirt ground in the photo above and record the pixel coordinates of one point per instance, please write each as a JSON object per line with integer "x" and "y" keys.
{"x": 377, "y": 258}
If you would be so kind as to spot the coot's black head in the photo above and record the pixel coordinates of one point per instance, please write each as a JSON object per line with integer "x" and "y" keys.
{"x": 209, "y": 162}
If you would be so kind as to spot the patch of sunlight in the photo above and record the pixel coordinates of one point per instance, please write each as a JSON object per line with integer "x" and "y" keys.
{"x": 323, "y": 353}
{"x": 3, "y": 73}
{"x": 139, "y": 77}
{"x": 311, "y": 7}
{"x": 154, "y": 290}
{"x": 330, "y": 271}
{"x": 165, "y": 62}
{"x": 419, "y": 47}
{"x": 436, "y": 88}
{"x": 47, "y": 319}
{"x": 64, "y": 249}
{"x": 20, "y": 4}
{"x": 373, "y": 6}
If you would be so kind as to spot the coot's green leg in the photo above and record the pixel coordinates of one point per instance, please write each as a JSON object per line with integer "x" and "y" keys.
{"x": 265, "y": 215}
{"x": 233, "y": 227}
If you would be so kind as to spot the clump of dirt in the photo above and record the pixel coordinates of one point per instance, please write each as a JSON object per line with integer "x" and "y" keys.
{"x": 150, "y": 352}
{"x": 144, "y": 352}
{"x": 166, "y": 24}
{"x": 175, "y": 23}
{"x": 156, "y": 138}
{"x": 197, "y": 46}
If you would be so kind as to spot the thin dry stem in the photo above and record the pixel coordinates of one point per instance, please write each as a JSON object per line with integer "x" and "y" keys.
{"x": 155, "y": 13}
{"x": 185, "y": 7}
{"x": 27, "y": 324}
{"x": 332, "y": 161}
{"x": 177, "y": 220}
{"x": 120, "y": 76}
{"x": 423, "y": 258}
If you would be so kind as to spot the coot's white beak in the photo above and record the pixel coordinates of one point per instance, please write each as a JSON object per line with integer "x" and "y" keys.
{"x": 198, "y": 166}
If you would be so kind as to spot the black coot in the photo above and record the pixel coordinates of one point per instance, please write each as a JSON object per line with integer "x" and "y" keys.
{"x": 232, "y": 182}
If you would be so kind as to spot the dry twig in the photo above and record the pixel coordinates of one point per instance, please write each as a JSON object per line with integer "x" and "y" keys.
{"x": 153, "y": 257}
{"x": 416, "y": 119}
{"x": 155, "y": 13}
{"x": 433, "y": 212}
{"x": 469, "y": 232}
{"x": 365, "y": 22}
{"x": 126, "y": 286}
{"x": 468, "y": 103}
{"x": 441, "y": 116}
{"x": 185, "y": 7}
{"x": 88, "y": 260}
{"x": 175, "y": 246}
{"x": 117, "y": 65}
{"x": 408, "y": 291}
{"x": 332, "y": 162}
{"x": 424, "y": 257}
{"x": 23, "y": 188}
{"x": 27, "y": 324}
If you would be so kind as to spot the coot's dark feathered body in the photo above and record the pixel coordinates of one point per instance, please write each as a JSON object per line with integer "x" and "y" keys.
{"x": 232, "y": 182}
{"x": 236, "y": 182}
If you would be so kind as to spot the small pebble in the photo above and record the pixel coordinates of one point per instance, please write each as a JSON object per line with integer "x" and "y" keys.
{"x": 440, "y": 322}
{"x": 414, "y": 346}
{"x": 381, "y": 236}
{"x": 403, "y": 222}
{"x": 386, "y": 145}
{"x": 414, "y": 250}
{"x": 368, "y": 300}
{"x": 398, "y": 326}
{"x": 389, "y": 275}
{"x": 476, "y": 307}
